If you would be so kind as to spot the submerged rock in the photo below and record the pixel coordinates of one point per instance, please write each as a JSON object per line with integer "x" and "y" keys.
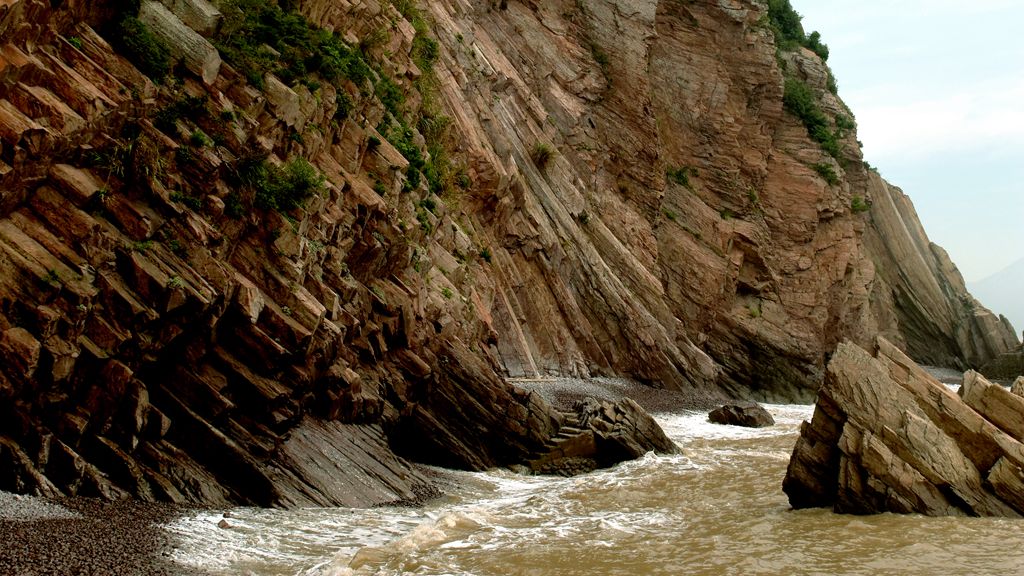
{"x": 746, "y": 414}
{"x": 888, "y": 437}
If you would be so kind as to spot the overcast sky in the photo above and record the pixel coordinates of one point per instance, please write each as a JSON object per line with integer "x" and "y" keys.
{"x": 937, "y": 87}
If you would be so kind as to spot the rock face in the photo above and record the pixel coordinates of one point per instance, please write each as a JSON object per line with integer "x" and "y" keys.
{"x": 172, "y": 330}
{"x": 746, "y": 414}
{"x": 1006, "y": 366}
{"x": 887, "y": 437}
{"x": 921, "y": 301}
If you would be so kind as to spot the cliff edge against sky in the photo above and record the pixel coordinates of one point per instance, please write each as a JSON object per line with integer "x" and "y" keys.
{"x": 234, "y": 235}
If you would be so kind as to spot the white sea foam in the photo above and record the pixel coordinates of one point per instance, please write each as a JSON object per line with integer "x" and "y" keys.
{"x": 493, "y": 512}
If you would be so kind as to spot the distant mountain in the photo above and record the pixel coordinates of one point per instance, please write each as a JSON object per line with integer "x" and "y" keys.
{"x": 1003, "y": 293}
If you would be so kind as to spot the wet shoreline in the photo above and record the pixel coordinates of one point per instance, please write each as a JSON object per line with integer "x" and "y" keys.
{"x": 564, "y": 392}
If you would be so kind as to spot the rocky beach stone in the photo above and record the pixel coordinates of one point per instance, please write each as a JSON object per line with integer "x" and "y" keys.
{"x": 85, "y": 536}
{"x": 746, "y": 414}
{"x": 887, "y": 437}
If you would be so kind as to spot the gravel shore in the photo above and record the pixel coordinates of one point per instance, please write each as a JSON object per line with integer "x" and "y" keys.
{"x": 86, "y": 537}
{"x": 564, "y": 392}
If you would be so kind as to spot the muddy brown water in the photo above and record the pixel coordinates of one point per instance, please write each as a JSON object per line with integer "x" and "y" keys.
{"x": 717, "y": 509}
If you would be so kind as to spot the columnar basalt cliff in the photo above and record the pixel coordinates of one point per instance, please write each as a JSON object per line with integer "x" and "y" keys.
{"x": 304, "y": 255}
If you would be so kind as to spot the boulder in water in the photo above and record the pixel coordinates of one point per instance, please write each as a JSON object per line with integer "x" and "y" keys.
{"x": 600, "y": 434}
{"x": 888, "y": 437}
{"x": 746, "y": 414}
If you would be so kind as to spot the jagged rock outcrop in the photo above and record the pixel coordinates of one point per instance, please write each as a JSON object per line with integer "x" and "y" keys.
{"x": 189, "y": 313}
{"x": 600, "y": 434}
{"x": 887, "y": 437}
{"x": 746, "y": 414}
{"x": 920, "y": 298}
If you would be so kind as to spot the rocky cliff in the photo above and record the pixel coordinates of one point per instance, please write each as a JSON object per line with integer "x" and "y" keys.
{"x": 250, "y": 254}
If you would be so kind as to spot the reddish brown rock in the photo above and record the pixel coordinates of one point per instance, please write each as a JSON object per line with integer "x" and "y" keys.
{"x": 19, "y": 353}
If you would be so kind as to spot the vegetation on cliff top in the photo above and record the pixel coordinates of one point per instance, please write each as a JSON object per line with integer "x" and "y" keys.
{"x": 801, "y": 101}
{"x": 798, "y": 97}
{"x": 785, "y": 23}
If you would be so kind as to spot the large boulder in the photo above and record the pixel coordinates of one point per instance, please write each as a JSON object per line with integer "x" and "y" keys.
{"x": 887, "y": 437}
{"x": 600, "y": 434}
{"x": 746, "y": 414}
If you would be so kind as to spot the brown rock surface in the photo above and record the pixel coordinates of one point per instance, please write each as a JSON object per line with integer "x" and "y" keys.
{"x": 746, "y": 414}
{"x": 1006, "y": 366}
{"x": 598, "y": 434}
{"x": 170, "y": 338}
{"x": 887, "y": 437}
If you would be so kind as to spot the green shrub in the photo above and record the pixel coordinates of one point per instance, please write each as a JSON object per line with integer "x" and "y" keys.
{"x": 800, "y": 101}
{"x": 429, "y": 204}
{"x": 280, "y": 188}
{"x": 858, "y": 204}
{"x": 391, "y": 96}
{"x": 401, "y": 137}
{"x": 344, "y": 103}
{"x": 827, "y": 173}
{"x": 296, "y": 48}
{"x": 845, "y": 123}
{"x": 541, "y": 154}
{"x": 424, "y": 220}
{"x": 789, "y": 33}
{"x": 681, "y": 175}
{"x": 813, "y": 42}
{"x": 147, "y": 52}
{"x": 199, "y": 139}
{"x": 188, "y": 107}
{"x": 187, "y": 199}
{"x": 425, "y": 51}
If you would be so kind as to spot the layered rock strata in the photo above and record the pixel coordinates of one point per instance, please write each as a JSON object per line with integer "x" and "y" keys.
{"x": 166, "y": 335}
{"x": 887, "y": 437}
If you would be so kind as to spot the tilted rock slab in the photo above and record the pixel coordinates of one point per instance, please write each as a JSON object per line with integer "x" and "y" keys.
{"x": 199, "y": 56}
{"x": 887, "y": 437}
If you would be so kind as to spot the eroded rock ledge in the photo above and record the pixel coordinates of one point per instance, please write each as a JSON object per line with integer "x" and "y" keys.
{"x": 887, "y": 437}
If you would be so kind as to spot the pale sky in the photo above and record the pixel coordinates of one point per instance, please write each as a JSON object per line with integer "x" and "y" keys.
{"x": 937, "y": 87}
